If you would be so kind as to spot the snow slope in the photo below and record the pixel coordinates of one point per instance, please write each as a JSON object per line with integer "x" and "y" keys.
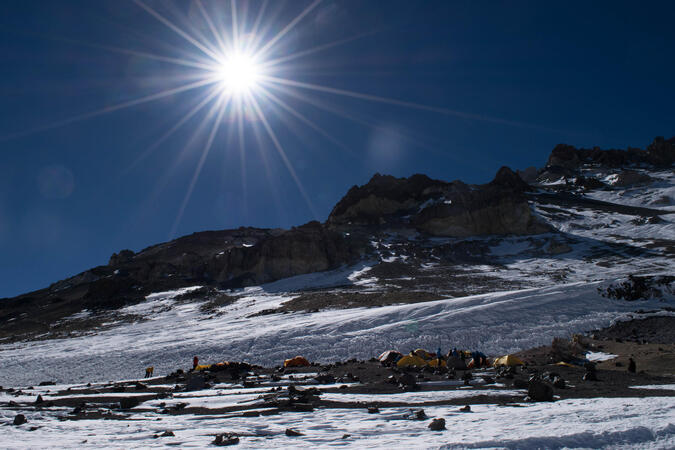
{"x": 496, "y": 323}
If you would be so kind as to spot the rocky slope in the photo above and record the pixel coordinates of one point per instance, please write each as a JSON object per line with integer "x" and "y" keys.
{"x": 420, "y": 236}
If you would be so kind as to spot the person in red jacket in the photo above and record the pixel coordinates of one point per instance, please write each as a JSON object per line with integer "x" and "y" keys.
{"x": 195, "y": 362}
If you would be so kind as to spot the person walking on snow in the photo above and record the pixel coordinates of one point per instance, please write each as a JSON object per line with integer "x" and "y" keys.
{"x": 195, "y": 362}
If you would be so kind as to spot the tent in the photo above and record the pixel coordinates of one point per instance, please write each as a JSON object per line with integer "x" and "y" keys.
{"x": 201, "y": 367}
{"x": 298, "y": 361}
{"x": 508, "y": 360}
{"x": 437, "y": 362}
{"x": 411, "y": 360}
{"x": 390, "y": 356}
{"x": 421, "y": 353}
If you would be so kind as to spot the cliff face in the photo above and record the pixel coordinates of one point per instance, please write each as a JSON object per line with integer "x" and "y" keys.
{"x": 439, "y": 208}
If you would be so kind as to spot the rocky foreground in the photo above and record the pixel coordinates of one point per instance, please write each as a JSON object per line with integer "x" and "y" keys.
{"x": 347, "y": 403}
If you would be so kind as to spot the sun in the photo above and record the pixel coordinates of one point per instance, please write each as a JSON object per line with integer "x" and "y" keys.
{"x": 238, "y": 73}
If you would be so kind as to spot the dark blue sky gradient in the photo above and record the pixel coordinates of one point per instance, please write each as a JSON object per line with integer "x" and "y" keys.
{"x": 584, "y": 73}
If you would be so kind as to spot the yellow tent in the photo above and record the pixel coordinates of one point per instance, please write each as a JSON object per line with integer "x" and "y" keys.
{"x": 424, "y": 354}
{"x": 409, "y": 360}
{"x": 436, "y": 362}
{"x": 508, "y": 360}
{"x": 201, "y": 367}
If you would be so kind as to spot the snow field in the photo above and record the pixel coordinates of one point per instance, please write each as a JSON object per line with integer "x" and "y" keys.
{"x": 579, "y": 423}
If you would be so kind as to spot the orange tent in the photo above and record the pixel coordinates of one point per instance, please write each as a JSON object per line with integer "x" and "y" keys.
{"x": 298, "y": 361}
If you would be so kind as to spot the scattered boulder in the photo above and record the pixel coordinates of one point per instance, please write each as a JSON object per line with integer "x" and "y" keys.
{"x": 465, "y": 408}
{"x": 539, "y": 391}
{"x": 20, "y": 419}
{"x": 373, "y": 410}
{"x": 39, "y": 400}
{"x": 140, "y": 386}
{"x": 418, "y": 414}
{"x": 437, "y": 424}
{"x": 407, "y": 381}
{"x": 226, "y": 439}
{"x": 291, "y": 432}
{"x": 167, "y": 433}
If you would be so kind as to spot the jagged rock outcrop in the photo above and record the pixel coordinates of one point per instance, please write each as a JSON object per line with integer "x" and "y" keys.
{"x": 121, "y": 257}
{"x": 383, "y": 196}
{"x": 440, "y": 208}
{"x": 499, "y": 207}
{"x": 235, "y": 258}
{"x": 660, "y": 153}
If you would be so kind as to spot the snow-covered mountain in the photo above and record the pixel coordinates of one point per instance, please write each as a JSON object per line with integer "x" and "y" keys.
{"x": 400, "y": 263}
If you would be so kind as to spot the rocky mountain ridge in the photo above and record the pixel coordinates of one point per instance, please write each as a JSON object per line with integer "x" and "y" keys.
{"x": 418, "y": 207}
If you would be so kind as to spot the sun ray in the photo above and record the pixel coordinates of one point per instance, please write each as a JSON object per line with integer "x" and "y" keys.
{"x": 211, "y": 26}
{"x": 172, "y": 130}
{"x": 257, "y": 37}
{"x": 307, "y": 121}
{"x": 419, "y": 140}
{"x": 107, "y": 109}
{"x": 286, "y": 29}
{"x": 235, "y": 26}
{"x": 177, "y": 30}
{"x": 242, "y": 156}
{"x": 274, "y": 189}
{"x": 406, "y": 104}
{"x": 120, "y": 50}
{"x": 274, "y": 62}
{"x": 200, "y": 165}
{"x": 190, "y": 27}
{"x": 282, "y": 153}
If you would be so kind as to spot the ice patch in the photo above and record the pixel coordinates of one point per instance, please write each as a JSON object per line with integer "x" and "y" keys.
{"x": 600, "y": 356}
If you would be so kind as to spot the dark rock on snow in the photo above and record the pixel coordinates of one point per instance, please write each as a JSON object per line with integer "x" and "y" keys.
{"x": 539, "y": 391}
{"x": 226, "y": 439}
{"x": 20, "y": 419}
{"x": 437, "y": 424}
{"x": 129, "y": 402}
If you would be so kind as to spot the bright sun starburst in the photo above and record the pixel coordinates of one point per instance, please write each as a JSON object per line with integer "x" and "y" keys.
{"x": 238, "y": 73}
{"x": 241, "y": 68}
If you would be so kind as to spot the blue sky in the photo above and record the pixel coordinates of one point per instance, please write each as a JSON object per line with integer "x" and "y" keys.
{"x": 483, "y": 84}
